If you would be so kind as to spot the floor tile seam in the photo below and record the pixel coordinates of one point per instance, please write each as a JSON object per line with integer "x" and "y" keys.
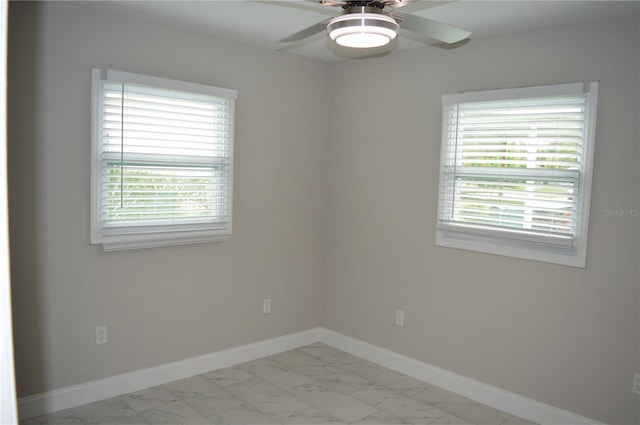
{"x": 223, "y": 388}
{"x": 287, "y": 368}
{"x": 397, "y": 392}
{"x": 441, "y": 405}
{"x": 350, "y": 371}
{"x": 290, "y": 367}
{"x": 285, "y": 391}
{"x": 323, "y": 360}
{"x": 363, "y": 376}
{"x": 438, "y": 405}
{"x": 57, "y": 414}
{"x": 120, "y": 398}
{"x": 450, "y": 407}
{"x": 393, "y": 390}
{"x": 407, "y": 419}
{"x": 54, "y": 415}
{"x": 388, "y": 413}
{"x": 123, "y": 398}
{"x": 342, "y": 368}
{"x": 315, "y": 377}
{"x": 444, "y": 407}
{"x": 508, "y": 418}
{"x": 297, "y": 350}
{"x": 288, "y": 391}
{"x": 137, "y": 414}
{"x": 264, "y": 381}
{"x": 475, "y": 404}
{"x": 74, "y": 416}
{"x": 310, "y": 405}
{"x": 203, "y": 414}
{"x": 178, "y": 400}
{"x": 351, "y": 396}
{"x": 273, "y": 415}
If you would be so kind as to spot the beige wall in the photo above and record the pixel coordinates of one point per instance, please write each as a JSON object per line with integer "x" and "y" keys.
{"x": 166, "y": 304}
{"x": 361, "y": 137}
{"x": 561, "y": 335}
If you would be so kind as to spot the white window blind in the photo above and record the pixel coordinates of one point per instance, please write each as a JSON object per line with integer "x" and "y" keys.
{"x": 515, "y": 169}
{"x": 163, "y": 157}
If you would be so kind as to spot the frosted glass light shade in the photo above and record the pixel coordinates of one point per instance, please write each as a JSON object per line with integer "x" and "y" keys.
{"x": 362, "y": 30}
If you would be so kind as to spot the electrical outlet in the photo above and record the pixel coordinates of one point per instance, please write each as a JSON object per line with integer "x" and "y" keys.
{"x": 101, "y": 335}
{"x": 636, "y": 383}
{"x": 266, "y": 306}
{"x": 399, "y": 317}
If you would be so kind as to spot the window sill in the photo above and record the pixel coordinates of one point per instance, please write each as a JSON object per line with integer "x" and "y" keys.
{"x": 574, "y": 256}
{"x": 131, "y": 242}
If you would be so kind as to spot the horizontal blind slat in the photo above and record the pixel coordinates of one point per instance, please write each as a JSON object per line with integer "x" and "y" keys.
{"x": 174, "y": 147}
{"x": 513, "y": 164}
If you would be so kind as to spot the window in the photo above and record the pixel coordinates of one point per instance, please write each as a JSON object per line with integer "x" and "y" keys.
{"x": 515, "y": 172}
{"x": 162, "y": 161}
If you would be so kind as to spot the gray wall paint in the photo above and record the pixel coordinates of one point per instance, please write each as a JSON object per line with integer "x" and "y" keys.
{"x": 565, "y": 336}
{"x": 166, "y": 304}
{"x": 312, "y": 135}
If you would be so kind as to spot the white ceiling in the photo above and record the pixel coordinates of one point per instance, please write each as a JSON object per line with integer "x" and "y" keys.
{"x": 265, "y": 22}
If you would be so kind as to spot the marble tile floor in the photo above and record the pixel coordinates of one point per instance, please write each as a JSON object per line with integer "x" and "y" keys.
{"x": 315, "y": 384}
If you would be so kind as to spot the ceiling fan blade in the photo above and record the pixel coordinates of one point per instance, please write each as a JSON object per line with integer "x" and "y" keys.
{"x": 433, "y": 29}
{"x": 298, "y": 5}
{"x": 398, "y": 3}
{"x": 284, "y": 47}
{"x": 412, "y": 6}
{"x": 307, "y": 32}
{"x": 330, "y": 2}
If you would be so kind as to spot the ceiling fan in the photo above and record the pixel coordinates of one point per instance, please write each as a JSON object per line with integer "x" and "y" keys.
{"x": 374, "y": 23}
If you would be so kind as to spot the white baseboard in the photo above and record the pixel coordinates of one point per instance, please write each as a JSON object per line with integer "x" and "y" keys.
{"x": 475, "y": 390}
{"x": 101, "y": 389}
{"x": 77, "y": 395}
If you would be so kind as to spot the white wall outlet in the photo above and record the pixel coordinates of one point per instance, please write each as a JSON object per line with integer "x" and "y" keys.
{"x": 399, "y": 317}
{"x": 266, "y": 306}
{"x": 101, "y": 335}
{"x": 636, "y": 383}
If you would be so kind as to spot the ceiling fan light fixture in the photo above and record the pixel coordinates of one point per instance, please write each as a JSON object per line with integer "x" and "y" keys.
{"x": 363, "y": 30}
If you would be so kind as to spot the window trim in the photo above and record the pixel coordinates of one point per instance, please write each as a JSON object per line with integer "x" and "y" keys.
{"x": 169, "y": 235}
{"x": 534, "y": 248}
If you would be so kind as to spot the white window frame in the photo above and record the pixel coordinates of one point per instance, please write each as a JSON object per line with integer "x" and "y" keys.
{"x": 137, "y": 236}
{"x": 502, "y": 242}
